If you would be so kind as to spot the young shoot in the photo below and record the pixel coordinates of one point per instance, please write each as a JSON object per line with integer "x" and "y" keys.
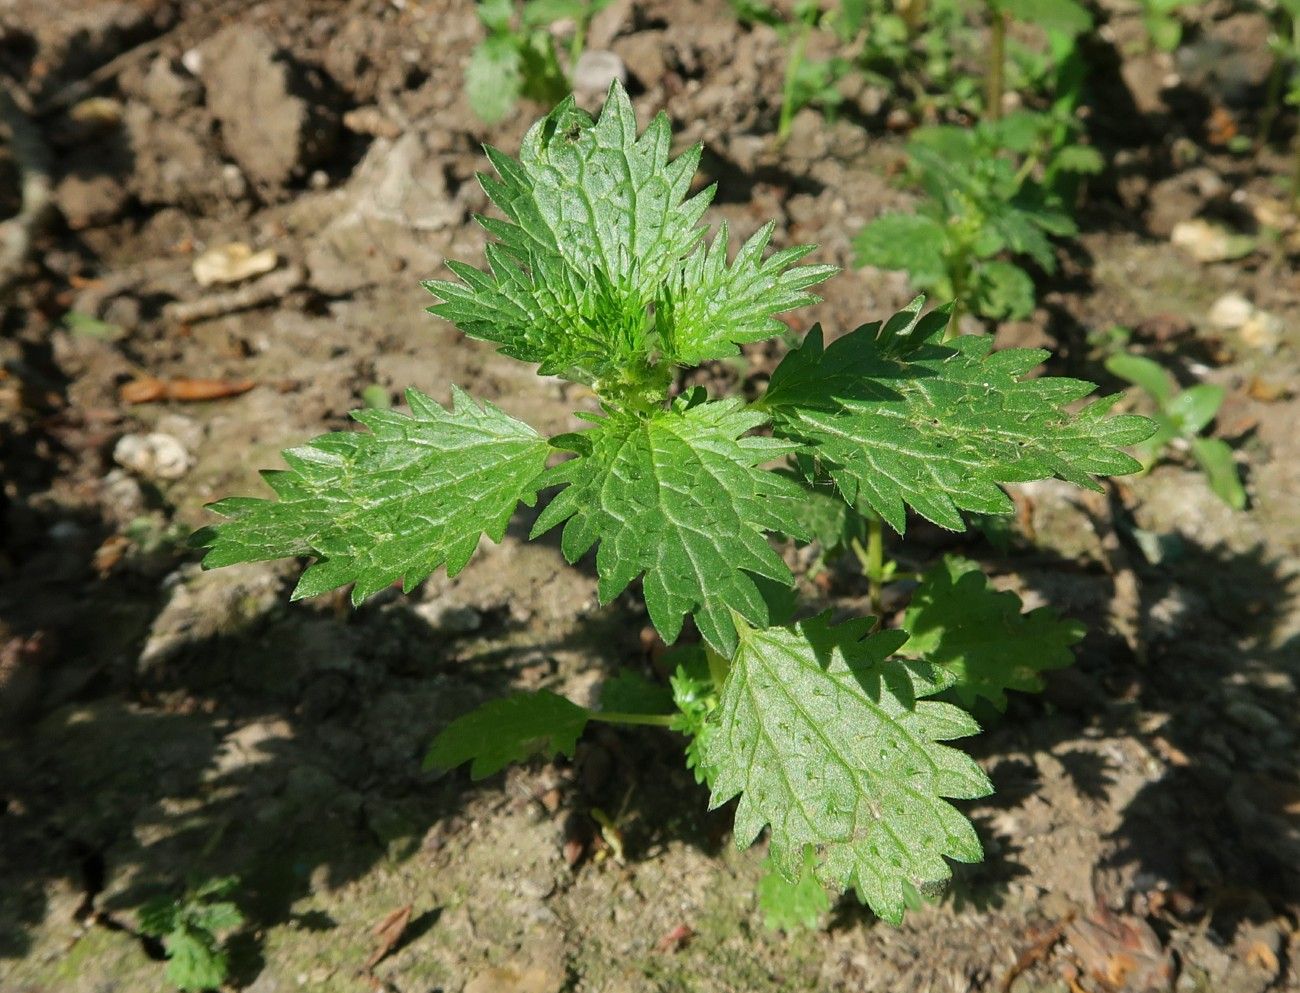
{"x": 831, "y": 738}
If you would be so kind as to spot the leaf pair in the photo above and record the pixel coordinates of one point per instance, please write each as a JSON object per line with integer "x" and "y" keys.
{"x": 598, "y": 270}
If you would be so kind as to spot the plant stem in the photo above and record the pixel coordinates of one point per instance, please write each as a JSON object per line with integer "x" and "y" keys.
{"x": 614, "y": 717}
{"x": 576, "y": 45}
{"x": 872, "y": 560}
{"x": 787, "y": 89}
{"x": 997, "y": 60}
{"x": 876, "y": 563}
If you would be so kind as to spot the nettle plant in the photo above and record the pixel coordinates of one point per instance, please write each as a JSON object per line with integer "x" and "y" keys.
{"x": 991, "y": 198}
{"x": 830, "y": 735}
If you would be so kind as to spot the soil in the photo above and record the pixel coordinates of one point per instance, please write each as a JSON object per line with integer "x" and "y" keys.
{"x": 161, "y": 723}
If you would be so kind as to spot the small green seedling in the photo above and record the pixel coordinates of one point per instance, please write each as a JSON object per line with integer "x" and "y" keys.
{"x": 519, "y": 58}
{"x": 828, "y": 736}
{"x": 1181, "y": 416}
{"x": 192, "y": 928}
{"x": 990, "y": 199}
{"x": 806, "y": 82}
{"x": 1063, "y": 20}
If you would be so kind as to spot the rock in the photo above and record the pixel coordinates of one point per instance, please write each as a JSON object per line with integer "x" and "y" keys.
{"x": 398, "y": 192}
{"x": 204, "y": 605}
{"x": 121, "y": 498}
{"x": 169, "y": 87}
{"x": 272, "y": 121}
{"x": 1230, "y": 312}
{"x": 1231, "y": 61}
{"x": 1181, "y": 196}
{"x": 155, "y": 456}
{"x": 517, "y": 979}
{"x": 450, "y": 618}
{"x": 643, "y": 55}
{"x": 595, "y": 71}
{"x": 232, "y": 263}
{"x": 1258, "y": 329}
{"x": 175, "y": 163}
{"x": 1208, "y": 242}
{"x": 1262, "y": 331}
{"x": 89, "y": 201}
{"x": 371, "y": 120}
{"x": 74, "y": 39}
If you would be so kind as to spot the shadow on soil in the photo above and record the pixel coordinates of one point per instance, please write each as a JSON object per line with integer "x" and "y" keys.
{"x": 287, "y": 748}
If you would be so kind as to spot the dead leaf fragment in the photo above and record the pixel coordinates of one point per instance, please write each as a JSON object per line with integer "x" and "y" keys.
{"x": 1121, "y": 952}
{"x": 1261, "y": 956}
{"x": 388, "y": 933}
{"x": 232, "y": 263}
{"x": 1268, "y": 390}
{"x": 676, "y": 939}
{"x": 148, "y": 389}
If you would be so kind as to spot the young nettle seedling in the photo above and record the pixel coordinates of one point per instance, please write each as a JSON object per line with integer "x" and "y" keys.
{"x": 827, "y": 736}
{"x": 519, "y": 57}
{"x": 1181, "y": 416}
{"x": 191, "y": 928}
{"x": 991, "y": 199}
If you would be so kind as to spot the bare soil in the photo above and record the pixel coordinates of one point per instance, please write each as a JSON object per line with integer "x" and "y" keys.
{"x": 161, "y": 723}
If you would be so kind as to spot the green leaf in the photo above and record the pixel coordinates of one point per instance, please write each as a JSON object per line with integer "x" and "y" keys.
{"x": 912, "y": 242}
{"x": 599, "y": 233}
{"x": 1215, "y": 459}
{"x": 958, "y": 621}
{"x": 711, "y": 307}
{"x": 826, "y": 518}
{"x": 509, "y": 730}
{"x": 158, "y": 916}
{"x": 629, "y": 692}
{"x": 1003, "y": 289}
{"x": 899, "y": 418}
{"x": 1145, "y": 374}
{"x": 495, "y": 14}
{"x": 793, "y": 905}
{"x": 393, "y": 504}
{"x": 1083, "y": 160}
{"x": 194, "y": 962}
{"x": 1195, "y": 407}
{"x": 829, "y": 742}
{"x": 1065, "y": 16}
{"x": 494, "y": 78}
{"x": 214, "y": 917}
{"x": 1166, "y": 32}
{"x": 679, "y": 496}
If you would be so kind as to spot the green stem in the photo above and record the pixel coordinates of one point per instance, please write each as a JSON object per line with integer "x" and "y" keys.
{"x": 614, "y": 717}
{"x": 787, "y": 89}
{"x": 577, "y": 44}
{"x": 997, "y": 61}
{"x": 872, "y": 560}
{"x": 1026, "y": 170}
{"x": 954, "y": 321}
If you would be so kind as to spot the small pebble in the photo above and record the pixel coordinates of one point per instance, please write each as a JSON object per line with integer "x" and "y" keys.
{"x": 155, "y": 456}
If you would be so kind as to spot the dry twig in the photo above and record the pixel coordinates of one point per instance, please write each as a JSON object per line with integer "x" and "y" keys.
{"x": 268, "y": 289}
